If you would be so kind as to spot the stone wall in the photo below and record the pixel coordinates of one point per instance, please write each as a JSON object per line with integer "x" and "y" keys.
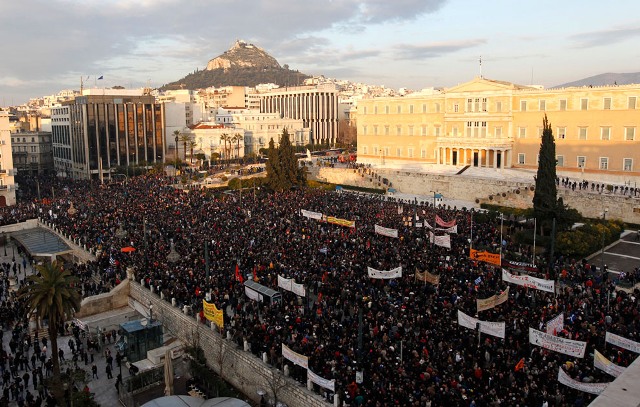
{"x": 242, "y": 369}
{"x": 118, "y": 297}
{"x": 487, "y": 190}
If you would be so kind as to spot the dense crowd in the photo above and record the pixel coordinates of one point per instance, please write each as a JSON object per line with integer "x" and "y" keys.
{"x": 401, "y": 333}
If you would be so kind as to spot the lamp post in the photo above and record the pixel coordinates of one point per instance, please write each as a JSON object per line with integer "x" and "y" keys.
{"x": 604, "y": 220}
{"x": 4, "y": 242}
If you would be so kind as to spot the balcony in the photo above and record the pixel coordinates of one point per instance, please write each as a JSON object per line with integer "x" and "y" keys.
{"x": 4, "y": 187}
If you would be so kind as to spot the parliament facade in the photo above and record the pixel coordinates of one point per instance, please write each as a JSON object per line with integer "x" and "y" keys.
{"x": 495, "y": 124}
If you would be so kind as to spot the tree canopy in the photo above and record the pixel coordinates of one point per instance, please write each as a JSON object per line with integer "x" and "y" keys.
{"x": 282, "y": 167}
{"x": 545, "y": 204}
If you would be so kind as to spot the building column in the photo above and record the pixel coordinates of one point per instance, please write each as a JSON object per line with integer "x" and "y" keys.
{"x": 495, "y": 158}
{"x": 450, "y": 155}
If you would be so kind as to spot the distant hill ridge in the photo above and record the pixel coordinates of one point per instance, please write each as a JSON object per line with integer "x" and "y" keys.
{"x": 241, "y": 65}
{"x": 605, "y": 79}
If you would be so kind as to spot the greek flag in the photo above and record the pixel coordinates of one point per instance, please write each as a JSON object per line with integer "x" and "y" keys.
{"x": 112, "y": 261}
{"x": 478, "y": 280}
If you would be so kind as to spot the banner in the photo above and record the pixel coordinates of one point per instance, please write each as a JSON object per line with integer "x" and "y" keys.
{"x": 444, "y": 224}
{"x": 428, "y": 277}
{"x": 251, "y": 294}
{"x": 442, "y": 241}
{"x": 395, "y": 273}
{"x": 296, "y": 358}
{"x": 491, "y": 258}
{"x": 400, "y": 209}
{"x": 528, "y": 281}
{"x": 341, "y": 222}
{"x": 452, "y": 229}
{"x": 520, "y": 266}
{"x": 311, "y": 215}
{"x": 557, "y": 344}
{"x": 555, "y": 325}
{"x": 212, "y": 313}
{"x": 386, "y": 231}
{"x": 593, "y": 388}
{"x": 492, "y": 301}
{"x": 490, "y": 328}
{"x": 327, "y": 384}
{"x": 607, "y": 366}
{"x": 291, "y": 285}
{"x": 624, "y": 343}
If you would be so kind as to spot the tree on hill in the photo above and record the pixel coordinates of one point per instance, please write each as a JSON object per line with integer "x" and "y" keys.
{"x": 282, "y": 167}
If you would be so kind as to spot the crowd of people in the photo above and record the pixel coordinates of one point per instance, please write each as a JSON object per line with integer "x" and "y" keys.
{"x": 402, "y": 334}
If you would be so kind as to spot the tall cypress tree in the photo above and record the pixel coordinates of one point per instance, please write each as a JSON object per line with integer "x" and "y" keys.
{"x": 545, "y": 199}
{"x": 273, "y": 167}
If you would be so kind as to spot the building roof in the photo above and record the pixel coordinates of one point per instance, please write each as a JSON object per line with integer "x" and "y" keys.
{"x": 206, "y": 126}
{"x": 188, "y": 401}
{"x": 40, "y": 242}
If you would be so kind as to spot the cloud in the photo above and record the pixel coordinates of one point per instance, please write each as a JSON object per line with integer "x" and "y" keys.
{"x": 376, "y": 11}
{"x": 434, "y": 50}
{"x": 604, "y": 37}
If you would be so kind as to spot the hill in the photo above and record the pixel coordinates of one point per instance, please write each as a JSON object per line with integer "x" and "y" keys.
{"x": 241, "y": 65}
{"x": 605, "y": 79}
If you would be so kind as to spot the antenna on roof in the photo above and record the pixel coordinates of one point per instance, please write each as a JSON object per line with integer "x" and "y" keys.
{"x": 480, "y": 66}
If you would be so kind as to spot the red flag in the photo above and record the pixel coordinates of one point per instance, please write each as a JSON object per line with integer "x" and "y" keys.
{"x": 319, "y": 297}
{"x": 519, "y": 365}
{"x": 238, "y": 275}
{"x": 255, "y": 274}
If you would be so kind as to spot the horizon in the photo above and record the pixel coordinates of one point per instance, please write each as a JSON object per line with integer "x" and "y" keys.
{"x": 413, "y": 44}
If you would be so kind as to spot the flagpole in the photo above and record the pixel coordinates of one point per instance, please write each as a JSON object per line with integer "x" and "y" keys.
{"x": 471, "y": 242}
{"x": 501, "y": 223}
{"x": 535, "y": 228}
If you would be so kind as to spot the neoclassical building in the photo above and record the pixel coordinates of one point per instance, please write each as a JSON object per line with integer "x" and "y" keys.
{"x": 495, "y": 124}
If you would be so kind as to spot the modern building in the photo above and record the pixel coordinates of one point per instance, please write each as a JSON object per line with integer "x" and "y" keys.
{"x": 32, "y": 152}
{"x": 106, "y": 128}
{"x": 316, "y": 106}
{"x": 7, "y": 172}
{"x": 495, "y": 124}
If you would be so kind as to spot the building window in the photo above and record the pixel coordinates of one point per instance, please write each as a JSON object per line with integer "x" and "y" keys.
{"x": 456, "y": 107}
{"x": 469, "y": 105}
{"x": 437, "y": 107}
{"x": 632, "y": 102}
{"x": 605, "y": 133}
{"x": 423, "y": 153}
{"x": 484, "y": 104}
{"x": 437, "y": 131}
{"x": 364, "y": 130}
{"x": 398, "y": 130}
{"x": 410, "y": 108}
{"x": 386, "y": 110}
{"x": 483, "y": 129}
{"x": 375, "y": 150}
{"x": 627, "y": 164}
{"x": 454, "y": 132}
{"x": 499, "y": 106}
{"x": 424, "y": 108}
{"x": 398, "y": 152}
{"x": 423, "y": 130}
{"x": 582, "y": 133}
{"x": 364, "y": 150}
{"x": 386, "y": 130}
{"x": 563, "y": 104}
{"x": 607, "y": 104}
{"x": 411, "y": 130}
{"x": 539, "y": 130}
{"x": 410, "y": 152}
{"x": 386, "y": 151}
{"x": 582, "y": 161}
{"x": 560, "y": 161}
{"x": 375, "y": 129}
{"x": 399, "y": 109}
{"x": 584, "y": 104}
{"x": 543, "y": 105}
{"x": 604, "y": 163}
{"x": 629, "y": 133}
{"x": 375, "y": 110}
{"x": 523, "y": 105}
{"x": 522, "y": 132}
{"x": 521, "y": 158}
{"x": 498, "y": 132}
{"x": 562, "y": 132}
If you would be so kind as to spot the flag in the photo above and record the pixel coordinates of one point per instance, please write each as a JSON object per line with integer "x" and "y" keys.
{"x": 519, "y": 365}
{"x": 238, "y": 275}
{"x": 478, "y": 280}
{"x": 324, "y": 250}
{"x": 100, "y": 77}
{"x": 112, "y": 261}
{"x": 255, "y": 274}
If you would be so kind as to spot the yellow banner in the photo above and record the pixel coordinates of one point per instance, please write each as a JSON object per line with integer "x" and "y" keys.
{"x": 492, "y": 301}
{"x": 212, "y": 313}
{"x": 428, "y": 277}
{"x": 492, "y": 258}
{"x": 341, "y": 222}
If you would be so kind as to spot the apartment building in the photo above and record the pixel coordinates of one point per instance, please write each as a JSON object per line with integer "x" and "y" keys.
{"x": 7, "y": 172}
{"x": 495, "y": 124}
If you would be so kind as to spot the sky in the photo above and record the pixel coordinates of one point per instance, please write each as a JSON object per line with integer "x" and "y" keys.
{"x": 48, "y": 45}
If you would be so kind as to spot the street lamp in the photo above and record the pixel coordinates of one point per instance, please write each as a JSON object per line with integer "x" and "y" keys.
{"x": 604, "y": 220}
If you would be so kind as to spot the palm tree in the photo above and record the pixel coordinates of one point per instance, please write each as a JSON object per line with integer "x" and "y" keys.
{"x": 176, "y": 134}
{"x": 185, "y": 138}
{"x": 192, "y": 145}
{"x": 237, "y": 137}
{"x": 52, "y": 294}
{"x": 225, "y": 137}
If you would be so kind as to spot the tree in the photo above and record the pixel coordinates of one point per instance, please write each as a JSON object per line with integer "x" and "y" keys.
{"x": 184, "y": 139}
{"x": 283, "y": 171}
{"x": 545, "y": 203}
{"x": 192, "y": 145}
{"x": 225, "y": 137}
{"x": 273, "y": 167}
{"x": 237, "y": 137}
{"x": 52, "y": 294}
{"x": 176, "y": 134}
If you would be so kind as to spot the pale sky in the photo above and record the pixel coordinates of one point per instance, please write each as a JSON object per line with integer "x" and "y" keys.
{"x": 48, "y": 45}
